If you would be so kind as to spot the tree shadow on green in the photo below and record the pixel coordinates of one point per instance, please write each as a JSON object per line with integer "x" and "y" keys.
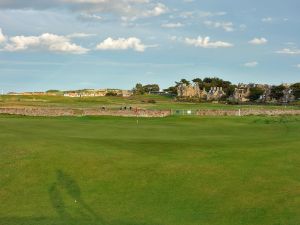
{"x": 65, "y": 184}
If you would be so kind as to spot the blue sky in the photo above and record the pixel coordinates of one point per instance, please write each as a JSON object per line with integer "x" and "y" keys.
{"x": 73, "y": 44}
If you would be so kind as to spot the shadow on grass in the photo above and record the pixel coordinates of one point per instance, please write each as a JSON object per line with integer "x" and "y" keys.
{"x": 66, "y": 199}
{"x": 51, "y": 221}
{"x": 65, "y": 184}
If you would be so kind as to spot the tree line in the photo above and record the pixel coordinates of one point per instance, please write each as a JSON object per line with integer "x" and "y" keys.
{"x": 256, "y": 91}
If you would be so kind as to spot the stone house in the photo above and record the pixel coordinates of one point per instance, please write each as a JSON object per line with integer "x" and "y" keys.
{"x": 72, "y": 95}
{"x": 287, "y": 94}
{"x": 194, "y": 91}
{"x": 97, "y": 93}
{"x": 266, "y": 96}
{"x": 188, "y": 91}
{"x": 242, "y": 93}
{"x": 191, "y": 91}
{"x": 215, "y": 93}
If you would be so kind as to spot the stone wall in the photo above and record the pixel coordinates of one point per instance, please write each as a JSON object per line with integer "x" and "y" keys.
{"x": 127, "y": 113}
{"x": 54, "y": 112}
{"x": 248, "y": 112}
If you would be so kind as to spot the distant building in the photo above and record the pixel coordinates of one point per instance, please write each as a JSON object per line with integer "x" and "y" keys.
{"x": 215, "y": 93}
{"x": 287, "y": 94}
{"x": 97, "y": 93}
{"x": 242, "y": 93}
{"x": 72, "y": 95}
{"x": 194, "y": 91}
{"x": 185, "y": 90}
{"x": 126, "y": 93}
{"x": 266, "y": 97}
{"x": 163, "y": 93}
{"x": 191, "y": 91}
{"x": 32, "y": 93}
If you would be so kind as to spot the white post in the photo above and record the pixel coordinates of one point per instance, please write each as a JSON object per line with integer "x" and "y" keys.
{"x": 239, "y": 112}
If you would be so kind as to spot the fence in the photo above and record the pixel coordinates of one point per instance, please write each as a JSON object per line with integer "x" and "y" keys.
{"x": 181, "y": 112}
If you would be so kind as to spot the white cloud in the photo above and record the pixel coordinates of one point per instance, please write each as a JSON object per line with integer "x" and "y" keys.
{"x": 251, "y": 64}
{"x": 153, "y": 11}
{"x": 211, "y": 14}
{"x": 258, "y": 41}
{"x": 90, "y": 17}
{"x": 298, "y": 65}
{"x": 289, "y": 51}
{"x": 227, "y": 26}
{"x": 157, "y": 10}
{"x": 80, "y": 35}
{"x": 89, "y": 9}
{"x": 186, "y": 15}
{"x": 2, "y": 37}
{"x": 46, "y": 41}
{"x": 290, "y": 43}
{"x": 205, "y": 43}
{"x": 172, "y": 25}
{"x": 267, "y": 19}
{"x": 200, "y": 14}
{"x": 122, "y": 44}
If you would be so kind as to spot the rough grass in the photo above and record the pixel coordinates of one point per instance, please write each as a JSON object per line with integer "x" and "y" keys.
{"x": 170, "y": 171}
{"x": 162, "y": 103}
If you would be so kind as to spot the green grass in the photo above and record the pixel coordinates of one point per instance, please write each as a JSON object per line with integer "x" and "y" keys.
{"x": 162, "y": 103}
{"x": 166, "y": 171}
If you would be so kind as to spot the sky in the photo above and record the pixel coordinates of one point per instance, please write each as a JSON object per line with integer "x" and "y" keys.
{"x": 76, "y": 44}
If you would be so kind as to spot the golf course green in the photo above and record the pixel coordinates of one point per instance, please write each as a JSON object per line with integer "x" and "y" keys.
{"x": 150, "y": 171}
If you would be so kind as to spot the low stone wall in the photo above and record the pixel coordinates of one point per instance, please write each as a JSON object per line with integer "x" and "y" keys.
{"x": 54, "y": 112}
{"x": 28, "y": 111}
{"x": 247, "y": 112}
{"x": 127, "y": 113}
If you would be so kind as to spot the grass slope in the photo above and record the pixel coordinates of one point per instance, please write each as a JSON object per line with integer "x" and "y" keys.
{"x": 171, "y": 171}
{"x": 162, "y": 102}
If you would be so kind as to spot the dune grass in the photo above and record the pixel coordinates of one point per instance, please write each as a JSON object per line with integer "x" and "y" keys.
{"x": 170, "y": 171}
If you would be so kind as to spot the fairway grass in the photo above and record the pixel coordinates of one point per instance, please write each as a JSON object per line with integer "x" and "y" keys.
{"x": 139, "y": 101}
{"x": 156, "y": 171}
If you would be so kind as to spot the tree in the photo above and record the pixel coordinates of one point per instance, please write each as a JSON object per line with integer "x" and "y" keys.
{"x": 138, "y": 90}
{"x": 198, "y": 80}
{"x": 172, "y": 90}
{"x": 216, "y": 82}
{"x": 111, "y": 94}
{"x": 277, "y": 92}
{"x": 183, "y": 81}
{"x": 151, "y": 87}
{"x": 296, "y": 90}
{"x": 52, "y": 91}
{"x": 209, "y": 82}
{"x": 229, "y": 91}
{"x": 255, "y": 93}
